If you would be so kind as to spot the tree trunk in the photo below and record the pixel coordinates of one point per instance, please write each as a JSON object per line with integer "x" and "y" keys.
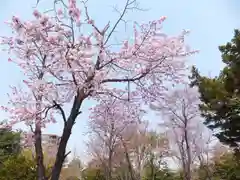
{"x": 189, "y": 158}
{"x": 205, "y": 167}
{"x": 110, "y": 153}
{"x": 39, "y": 153}
{"x": 139, "y": 167}
{"x": 61, "y": 154}
{"x": 128, "y": 161}
{"x": 38, "y": 134}
{"x": 109, "y": 174}
{"x": 152, "y": 167}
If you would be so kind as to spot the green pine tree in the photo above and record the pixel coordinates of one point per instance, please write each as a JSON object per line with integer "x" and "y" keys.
{"x": 9, "y": 143}
{"x": 220, "y": 96}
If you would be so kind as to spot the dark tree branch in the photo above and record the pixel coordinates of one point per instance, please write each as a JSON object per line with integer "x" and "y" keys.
{"x": 48, "y": 109}
{"x": 67, "y": 154}
{"x": 62, "y": 112}
{"x": 31, "y": 128}
{"x": 126, "y": 79}
{"x": 118, "y": 21}
{"x": 113, "y": 95}
{"x": 60, "y": 157}
{"x": 138, "y": 77}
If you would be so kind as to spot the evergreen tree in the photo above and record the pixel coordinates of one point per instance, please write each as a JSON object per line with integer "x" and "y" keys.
{"x": 220, "y": 96}
{"x": 18, "y": 168}
{"x": 9, "y": 143}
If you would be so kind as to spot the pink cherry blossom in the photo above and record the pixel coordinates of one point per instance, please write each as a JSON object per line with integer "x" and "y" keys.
{"x": 60, "y": 12}
{"x": 36, "y": 13}
{"x": 62, "y": 66}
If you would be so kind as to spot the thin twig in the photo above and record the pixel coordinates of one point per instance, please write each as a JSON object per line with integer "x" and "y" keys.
{"x": 117, "y": 22}
{"x": 67, "y": 154}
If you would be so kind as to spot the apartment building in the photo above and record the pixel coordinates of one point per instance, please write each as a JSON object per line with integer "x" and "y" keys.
{"x": 50, "y": 139}
{"x": 50, "y": 142}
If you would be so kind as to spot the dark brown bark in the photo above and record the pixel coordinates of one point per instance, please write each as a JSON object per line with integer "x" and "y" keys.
{"x": 38, "y": 135}
{"x": 39, "y": 153}
{"x": 61, "y": 154}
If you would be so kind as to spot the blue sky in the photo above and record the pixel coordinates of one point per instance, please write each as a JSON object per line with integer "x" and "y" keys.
{"x": 211, "y": 23}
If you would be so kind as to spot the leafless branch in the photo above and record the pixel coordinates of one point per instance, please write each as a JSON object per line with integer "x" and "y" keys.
{"x": 47, "y": 109}
{"x": 118, "y": 21}
{"x": 67, "y": 154}
{"x": 136, "y": 78}
{"x": 89, "y": 19}
{"x": 130, "y": 5}
{"x": 31, "y": 128}
{"x": 61, "y": 111}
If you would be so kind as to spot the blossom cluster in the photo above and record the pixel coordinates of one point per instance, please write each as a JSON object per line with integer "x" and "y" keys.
{"x": 58, "y": 62}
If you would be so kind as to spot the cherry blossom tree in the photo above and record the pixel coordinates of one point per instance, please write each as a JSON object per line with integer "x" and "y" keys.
{"x": 145, "y": 146}
{"x": 62, "y": 66}
{"x": 187, "y": 134}
{"x": 110, "y": 121}
{"x": 203, "y": 144}
{"x": 137, "y": 145}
